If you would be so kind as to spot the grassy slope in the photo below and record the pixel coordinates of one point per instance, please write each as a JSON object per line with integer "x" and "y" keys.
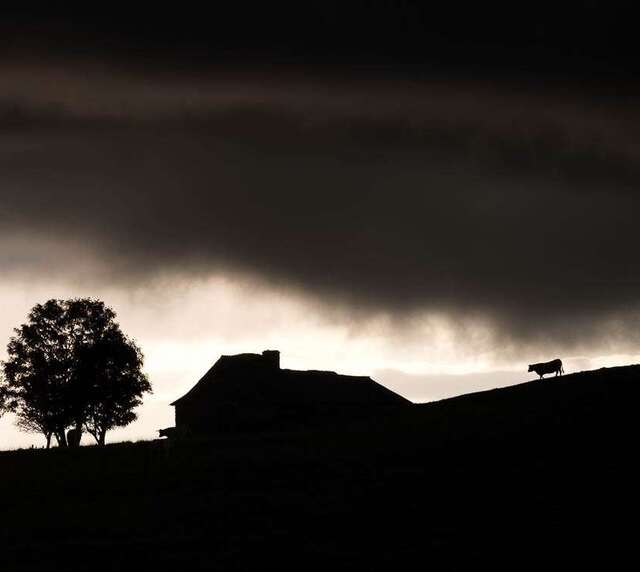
{"x": 531, "y": 475}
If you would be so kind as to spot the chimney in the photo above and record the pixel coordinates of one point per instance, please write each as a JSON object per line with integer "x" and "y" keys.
{"x": 272, "y": 357}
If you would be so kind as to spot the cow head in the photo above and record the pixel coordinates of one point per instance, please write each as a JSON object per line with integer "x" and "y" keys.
{"x": 530, "y": 368}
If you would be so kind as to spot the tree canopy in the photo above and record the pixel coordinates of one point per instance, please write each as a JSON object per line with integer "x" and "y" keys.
{"x": 70, "y": 366}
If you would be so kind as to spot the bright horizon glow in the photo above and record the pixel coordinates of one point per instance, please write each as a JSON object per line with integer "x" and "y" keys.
{"x": 183, "y": 326}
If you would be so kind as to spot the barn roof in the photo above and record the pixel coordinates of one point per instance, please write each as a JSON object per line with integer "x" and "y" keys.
{"x": 249, "y": 376}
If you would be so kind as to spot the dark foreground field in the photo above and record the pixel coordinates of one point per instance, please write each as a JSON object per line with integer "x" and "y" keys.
{"x": 538, "y": 476}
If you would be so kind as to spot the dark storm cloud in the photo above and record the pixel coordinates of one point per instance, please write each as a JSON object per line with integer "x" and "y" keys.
{"x": 509, "y": 203}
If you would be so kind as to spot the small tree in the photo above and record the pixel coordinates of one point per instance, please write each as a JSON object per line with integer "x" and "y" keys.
{"x": 49, "y": 381}
{"x": 112, "y": 383}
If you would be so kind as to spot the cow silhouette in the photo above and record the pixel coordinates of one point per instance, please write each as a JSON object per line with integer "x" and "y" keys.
{"x": 73, "y": 437}
{"x": 553, "y": 366}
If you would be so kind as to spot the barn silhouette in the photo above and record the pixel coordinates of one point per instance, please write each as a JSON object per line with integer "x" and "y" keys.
{"x": 250, "y": 391}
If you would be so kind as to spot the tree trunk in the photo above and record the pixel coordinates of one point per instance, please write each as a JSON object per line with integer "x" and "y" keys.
{"x": 61, "y": 438}
{"x": 77, "y": 436}
{"x": 102, "y": 438}
{"x": 48, "y": 436}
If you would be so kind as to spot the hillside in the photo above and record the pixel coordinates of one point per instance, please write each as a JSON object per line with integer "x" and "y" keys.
{"x": 600, "y": 402}
{"x": 539, "y": 474}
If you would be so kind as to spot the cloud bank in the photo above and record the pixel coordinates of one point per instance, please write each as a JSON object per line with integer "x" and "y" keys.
{"x": 507, "y": 210}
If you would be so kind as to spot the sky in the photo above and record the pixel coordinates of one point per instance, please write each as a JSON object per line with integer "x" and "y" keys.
{"x": 434, "y": 210}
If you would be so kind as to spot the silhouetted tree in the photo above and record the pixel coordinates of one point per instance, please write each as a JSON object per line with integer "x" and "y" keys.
{"x": 112, "y": 383}
{"x": 53, "y": 377}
